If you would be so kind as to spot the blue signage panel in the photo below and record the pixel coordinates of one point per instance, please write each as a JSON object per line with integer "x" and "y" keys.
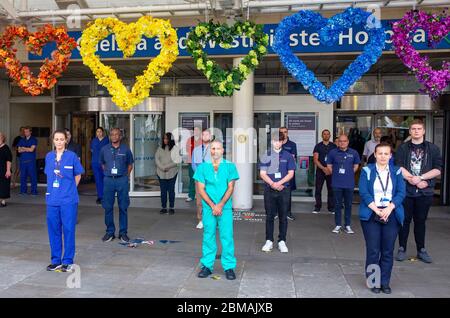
{"x": 302, "y": 41}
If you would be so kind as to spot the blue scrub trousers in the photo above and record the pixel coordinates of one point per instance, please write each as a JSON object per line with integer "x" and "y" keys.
{"x": 111, "y": 186}
{"x": 209, "y": 247}
{"x": 61, "y": 220}
{"x": 98, "y": 175}
{"x": 28, "y": 168}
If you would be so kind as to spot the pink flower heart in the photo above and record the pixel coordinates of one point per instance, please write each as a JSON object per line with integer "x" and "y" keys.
{"x": 437, "y": 27}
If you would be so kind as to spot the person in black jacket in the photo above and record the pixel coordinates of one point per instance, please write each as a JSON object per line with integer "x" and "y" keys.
{"x": 421, "y": 163}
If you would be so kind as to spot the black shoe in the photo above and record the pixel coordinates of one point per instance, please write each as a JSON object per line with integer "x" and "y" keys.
{"x": 386, "y": 289}
{"x": 291, "y": 217}
{"x": 375, "y": 290}
{"x": 67, "y": 268}
{"x": 230, "y": 275}
{"x": 205, "y": 272}
{"x": 108, "y": 237}
{"x": 99, "y": 201}
{"x": 124, "y": 238}
{"x": 163, "y": 211}
{"x": 53, "y": 267}
{"x": 171, "y": 211}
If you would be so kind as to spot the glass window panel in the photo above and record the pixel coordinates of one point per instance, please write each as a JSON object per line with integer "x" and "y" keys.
{"x": 147, "y": 139}
{"x": 189, "y": 89}
{"x": 74, "y": 90}
{"x": 267, "y": 88}
{"x": 401, "y": 85}
{"x": 362, "y": 86}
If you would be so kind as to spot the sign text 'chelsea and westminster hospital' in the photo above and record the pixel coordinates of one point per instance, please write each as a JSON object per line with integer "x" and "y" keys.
{"x": 303, "y": 41}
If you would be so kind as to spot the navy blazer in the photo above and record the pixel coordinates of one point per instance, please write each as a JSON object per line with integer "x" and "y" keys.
{"x": 366, "y": 181}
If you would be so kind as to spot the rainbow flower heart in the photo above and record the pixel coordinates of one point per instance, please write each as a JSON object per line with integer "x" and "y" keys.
{"x": 437, "y": 27}
{"x": 329, "y": 30}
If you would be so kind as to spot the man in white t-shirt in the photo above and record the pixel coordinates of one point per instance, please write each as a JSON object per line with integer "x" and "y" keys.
{"x": 370, "y": 145}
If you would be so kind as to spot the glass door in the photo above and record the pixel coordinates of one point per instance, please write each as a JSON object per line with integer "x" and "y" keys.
{"x": 147, "y": 136}
{"x": 222, "y": 121}
{"x": 358, "y": 128}
{"x": 396, "y": 126}
{"x": 117, "y": 120}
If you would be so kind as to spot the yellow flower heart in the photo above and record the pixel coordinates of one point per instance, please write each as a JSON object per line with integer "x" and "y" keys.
{"x": 128, "y": 37}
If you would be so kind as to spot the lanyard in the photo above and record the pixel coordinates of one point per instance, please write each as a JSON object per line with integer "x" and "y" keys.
{"x": 57, "y": 169}
{"x": 204, "y": 151}
{"x": 114, "y": 154}
{"x": 382, "y": 185}
{"x": 343, "y": 160}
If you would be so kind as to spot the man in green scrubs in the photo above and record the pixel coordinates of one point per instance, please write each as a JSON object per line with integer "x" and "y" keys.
{"x": 215, "y": 181}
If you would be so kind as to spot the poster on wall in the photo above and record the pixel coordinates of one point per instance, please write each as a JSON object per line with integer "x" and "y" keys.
{"x": 189, "y": 121}
{"x": 302, "y": 131}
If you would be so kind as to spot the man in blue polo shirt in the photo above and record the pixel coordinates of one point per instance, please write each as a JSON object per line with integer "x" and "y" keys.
{"x": 117, "y": 162}
{"x": 290, "y": 147}
{"x": 343, "y": 163}
{"x": 276, "y": 170}
{"x": 27, "y": 149}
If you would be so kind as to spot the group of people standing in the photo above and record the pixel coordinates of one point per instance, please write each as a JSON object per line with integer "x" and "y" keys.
{"x": 393, "y": 192}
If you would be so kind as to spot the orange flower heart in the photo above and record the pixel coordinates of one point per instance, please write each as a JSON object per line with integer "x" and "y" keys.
{"x": 50, "y": 70}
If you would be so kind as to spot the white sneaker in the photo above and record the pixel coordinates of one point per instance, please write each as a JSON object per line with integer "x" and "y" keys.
{"x": 282, "y": 247}
{"x": 337, "y": 229}
{"x": 268, "y": 246}
{"x": 315, "y": 212}
{"x": 200, "y": 225}
{"x": 189, "y": 199}
{"x": 348, "y": 230}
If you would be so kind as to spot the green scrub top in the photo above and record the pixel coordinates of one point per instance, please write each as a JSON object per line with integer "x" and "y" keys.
{"x": 216, "y": 183}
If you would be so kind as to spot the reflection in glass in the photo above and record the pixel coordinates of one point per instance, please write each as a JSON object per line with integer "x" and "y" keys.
{"x": 147, "y": 139}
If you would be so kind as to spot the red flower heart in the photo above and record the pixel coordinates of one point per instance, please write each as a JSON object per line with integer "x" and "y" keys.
{"x": 50, "y": 70}
{"x": 436, "y": 27}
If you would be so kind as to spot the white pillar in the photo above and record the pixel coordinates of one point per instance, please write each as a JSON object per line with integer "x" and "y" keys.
{"x": 243, "y": 146}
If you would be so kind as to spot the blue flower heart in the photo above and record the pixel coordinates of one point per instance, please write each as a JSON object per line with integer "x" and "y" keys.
{"x": 329, "y": 30}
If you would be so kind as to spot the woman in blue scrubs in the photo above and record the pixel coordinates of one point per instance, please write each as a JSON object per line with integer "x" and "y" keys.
{"x": 97, "y": 144}
{"x": 63, "y": 170}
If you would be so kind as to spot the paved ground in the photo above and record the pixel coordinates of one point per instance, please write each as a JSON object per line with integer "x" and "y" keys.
{"x": 319, "y": 263}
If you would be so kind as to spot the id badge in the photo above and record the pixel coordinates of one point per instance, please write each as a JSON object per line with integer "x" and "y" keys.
{"x": 326, "y": 157}
{"x": 341, "y": 171}
{"x": 55, "y": 184}
{"x": 114, "y": 171}
{"x": 56, "y": 171}
{"x": 278, "y": 175}
{"x": 384, "y": 202}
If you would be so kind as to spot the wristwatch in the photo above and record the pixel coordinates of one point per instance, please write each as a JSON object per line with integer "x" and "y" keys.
{"x": 422, "y": 179}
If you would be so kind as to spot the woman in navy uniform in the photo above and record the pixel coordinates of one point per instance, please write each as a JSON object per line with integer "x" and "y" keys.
{"x": 382, "y": 190}
{"x": 97, "y": 144}
{"x": 63, "y": 170}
